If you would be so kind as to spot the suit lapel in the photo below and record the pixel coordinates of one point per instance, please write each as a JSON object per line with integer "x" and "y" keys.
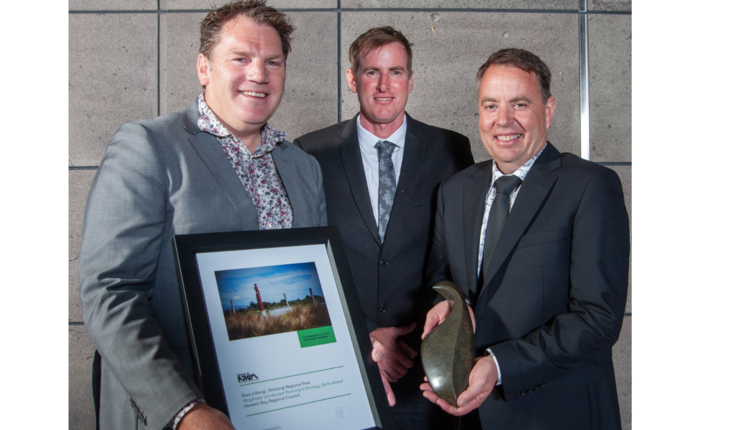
{"x": 286, "y": 167}
{"x": 411, "y": 165}
{"x": 353, "y": 164}
{"x": 532, "y": 195}
{"x": 474, "y": 194}
{"x": 209, "y": 150}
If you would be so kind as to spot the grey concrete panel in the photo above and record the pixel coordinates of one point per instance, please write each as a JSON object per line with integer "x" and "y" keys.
{"x": 79, "y": 184}
{"x": 609, "y": 45}
{"x": 112, "y": 4}
{"x": 610, "y": 5}
{"x": 463, "y": 4}
{"x": 81, "y": 404}
{"x": 112, "y": 79}
{"x": 278, "y": 4}
{"x": 179, "y": 85}
{"x": 624, "y": 172}
{"x": 449, "y": 47}
{"x": 310, "y": 98}
{"x": 622, "y": 367}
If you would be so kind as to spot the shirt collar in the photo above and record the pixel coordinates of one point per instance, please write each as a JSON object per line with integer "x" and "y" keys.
{"x": 368, "y": 140}
{"x": 209, "y": 123}
{"x": 520, "y": 172}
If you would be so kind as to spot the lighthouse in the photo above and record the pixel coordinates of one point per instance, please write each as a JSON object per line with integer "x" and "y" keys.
{"x": 260, "y": 302}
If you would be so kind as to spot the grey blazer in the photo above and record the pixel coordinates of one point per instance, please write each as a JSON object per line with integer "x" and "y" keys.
{"x": 158, "y": 178}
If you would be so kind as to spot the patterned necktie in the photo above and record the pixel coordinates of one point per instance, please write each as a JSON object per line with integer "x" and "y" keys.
{"x": 504, "y": 186}
{"x": 386, "y": 184}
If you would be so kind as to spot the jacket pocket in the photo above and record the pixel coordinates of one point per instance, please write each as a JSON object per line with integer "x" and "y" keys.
{"x": 545, "y": 236}
{"x": 422, "y": 202}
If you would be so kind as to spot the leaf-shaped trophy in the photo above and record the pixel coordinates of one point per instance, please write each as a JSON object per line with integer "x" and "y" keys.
{"x": 448, "y": 351}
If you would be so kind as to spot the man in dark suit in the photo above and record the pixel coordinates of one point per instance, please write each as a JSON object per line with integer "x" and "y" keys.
{"x": 538, "y": 241}
{"x": 382, "y": 169}
{"x": 215, "y": 167}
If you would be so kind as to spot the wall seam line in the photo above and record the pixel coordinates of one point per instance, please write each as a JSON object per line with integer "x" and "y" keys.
{"x": 158, "y": 59}
{"x": 584, "y": 82}
{"x": 339, "y": 64}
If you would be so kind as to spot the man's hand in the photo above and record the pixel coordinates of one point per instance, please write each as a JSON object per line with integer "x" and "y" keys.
{"x": 394, "y": 357}
{"x": 204, "y": 417}
{"x": 438, "y": 313}
{"x": 483, "y": 378}
{"x": 389, "y": 392}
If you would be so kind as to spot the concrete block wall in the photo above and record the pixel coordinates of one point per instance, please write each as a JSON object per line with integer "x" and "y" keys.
{"x": 135, "y": 59}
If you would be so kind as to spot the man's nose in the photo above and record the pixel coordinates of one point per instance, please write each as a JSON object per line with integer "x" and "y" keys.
{"x": 504, "y": 115}
{"x": 383, "y": 83}
{"x": 257, "y": 72}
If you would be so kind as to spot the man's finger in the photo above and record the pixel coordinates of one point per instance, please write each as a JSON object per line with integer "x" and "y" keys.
{"x": 386, "y": 376}
{"x": 389, "y": 392}
{"x": 401, "y": 360}
{"x": 378, "y": 351}
{"x": 393, "y": 373}
{"x": 435, "y": 316}
{"x": 406, "y": 349}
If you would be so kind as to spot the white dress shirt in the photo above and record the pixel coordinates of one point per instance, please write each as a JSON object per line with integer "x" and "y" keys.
{"x": 369, "y": 154}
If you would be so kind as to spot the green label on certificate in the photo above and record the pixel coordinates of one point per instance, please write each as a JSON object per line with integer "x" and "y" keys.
{"x": 316, "y": 336}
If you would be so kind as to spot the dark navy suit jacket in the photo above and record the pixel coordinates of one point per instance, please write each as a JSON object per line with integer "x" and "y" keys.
{"x": 553, "y": 305}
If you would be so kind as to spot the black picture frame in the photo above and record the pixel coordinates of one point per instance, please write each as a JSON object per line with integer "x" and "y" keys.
{"x": 188, "y": 247}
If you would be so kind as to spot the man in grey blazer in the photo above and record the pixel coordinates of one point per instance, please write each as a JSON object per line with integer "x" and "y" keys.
{"x": 215, "y": 167}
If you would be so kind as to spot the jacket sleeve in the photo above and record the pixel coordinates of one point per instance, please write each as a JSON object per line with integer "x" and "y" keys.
{"x": 321, "y": 192}
{"x": 123, "y": 235}
{"x": 598, "y": 282}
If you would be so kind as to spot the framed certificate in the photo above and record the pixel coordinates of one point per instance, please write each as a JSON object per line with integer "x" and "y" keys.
{"x": 279, "y": 338}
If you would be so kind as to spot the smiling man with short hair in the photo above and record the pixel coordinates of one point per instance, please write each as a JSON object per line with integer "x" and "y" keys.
{"x": 538, "y": 241}
{"x": 382, "y": 169}
{"x": 217, "y": 166}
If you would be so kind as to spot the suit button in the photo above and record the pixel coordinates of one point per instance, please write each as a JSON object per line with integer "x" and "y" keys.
{"x": 384, "y": 263}
{"x": 382, "y": 308}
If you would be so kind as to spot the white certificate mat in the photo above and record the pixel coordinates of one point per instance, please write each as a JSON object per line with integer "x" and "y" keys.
{"x": 284, "y": 339}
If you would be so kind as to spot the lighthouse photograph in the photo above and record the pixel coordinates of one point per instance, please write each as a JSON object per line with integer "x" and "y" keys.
{"x": 268, "y": 300}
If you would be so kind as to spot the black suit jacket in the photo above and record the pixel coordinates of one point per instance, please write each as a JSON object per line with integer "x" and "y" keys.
{"x": 553, "y": 305}
{"x": 389, "y": 277}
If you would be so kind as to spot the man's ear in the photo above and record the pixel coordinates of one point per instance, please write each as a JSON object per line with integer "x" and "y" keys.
{"x": 203, "y": 70}
{"x": 352, "y": 80}
{"x": 550, "y": 110}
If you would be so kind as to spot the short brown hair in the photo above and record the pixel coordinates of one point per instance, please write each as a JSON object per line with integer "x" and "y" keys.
{"x": 375, "y": 38}
{"x": 523, "y": 60}
{"x": 211, "y": 26}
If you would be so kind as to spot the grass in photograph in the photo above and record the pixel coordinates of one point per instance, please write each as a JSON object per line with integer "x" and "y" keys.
{"x": 241, "y": 325}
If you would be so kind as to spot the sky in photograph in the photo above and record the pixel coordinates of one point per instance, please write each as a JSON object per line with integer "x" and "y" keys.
{"x": 273, "y": 281}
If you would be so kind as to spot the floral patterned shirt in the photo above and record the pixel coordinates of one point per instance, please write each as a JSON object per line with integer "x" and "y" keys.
{"x": 256, "y": 171}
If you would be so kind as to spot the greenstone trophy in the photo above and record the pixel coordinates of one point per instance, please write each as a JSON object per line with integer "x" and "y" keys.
{"x": 448, "y": 351}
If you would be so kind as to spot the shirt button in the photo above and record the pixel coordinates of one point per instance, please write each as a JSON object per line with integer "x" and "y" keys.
{"x": 382, "y": 308}
{"x": 384, "y": 263}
